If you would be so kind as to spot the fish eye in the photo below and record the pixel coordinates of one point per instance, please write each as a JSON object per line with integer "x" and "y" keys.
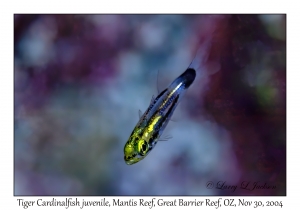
{"x": 144, "y": 147}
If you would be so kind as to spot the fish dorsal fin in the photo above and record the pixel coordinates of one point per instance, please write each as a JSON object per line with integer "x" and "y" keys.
{"x": 140, "y": 114}
{"x": 152, "y": 99}
{"x": 157, "y": 82}
{"x": 151, "y": 103}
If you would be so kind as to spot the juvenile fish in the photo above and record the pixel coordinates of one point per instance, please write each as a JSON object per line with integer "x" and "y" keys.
{"x": 153, "y": 122}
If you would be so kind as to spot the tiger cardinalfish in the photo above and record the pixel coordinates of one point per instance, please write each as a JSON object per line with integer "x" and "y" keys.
{"x": 153, "y": 122}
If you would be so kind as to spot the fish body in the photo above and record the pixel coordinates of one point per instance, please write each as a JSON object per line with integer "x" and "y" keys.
{"x": 152, "y": 123}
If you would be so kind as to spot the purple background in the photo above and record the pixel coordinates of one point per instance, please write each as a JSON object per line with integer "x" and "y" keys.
{"x": 79, "y": 81}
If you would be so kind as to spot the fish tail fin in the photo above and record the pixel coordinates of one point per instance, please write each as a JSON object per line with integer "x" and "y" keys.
{"x": 201, "y": 59}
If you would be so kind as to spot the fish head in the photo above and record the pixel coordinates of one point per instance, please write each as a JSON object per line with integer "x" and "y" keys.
{"x": 135, "y": 149}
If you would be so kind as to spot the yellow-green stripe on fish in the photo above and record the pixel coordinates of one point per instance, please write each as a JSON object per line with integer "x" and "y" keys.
{"x": 153, "y": 122}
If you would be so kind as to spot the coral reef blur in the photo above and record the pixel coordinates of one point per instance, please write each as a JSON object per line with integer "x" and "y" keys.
{"x": 79, "y": 81}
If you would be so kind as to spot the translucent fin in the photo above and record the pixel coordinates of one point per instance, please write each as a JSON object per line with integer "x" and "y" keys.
{"x": 201, "y": 59}
{"x": 152, "y": 99}
{"x": 166, "y": 138}
{"x": 157, "y": 82}
{"x": 160, "y": 85}
{"x": 140, "y": 114}
{"x": 212, "y": 67}
{"x": 201, "y": 54}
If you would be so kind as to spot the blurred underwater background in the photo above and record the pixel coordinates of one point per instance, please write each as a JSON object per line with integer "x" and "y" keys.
{"x": 80, "y": 81}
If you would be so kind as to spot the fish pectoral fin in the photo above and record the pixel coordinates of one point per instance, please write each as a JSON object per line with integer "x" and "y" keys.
{"x": 166, "y": 138}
